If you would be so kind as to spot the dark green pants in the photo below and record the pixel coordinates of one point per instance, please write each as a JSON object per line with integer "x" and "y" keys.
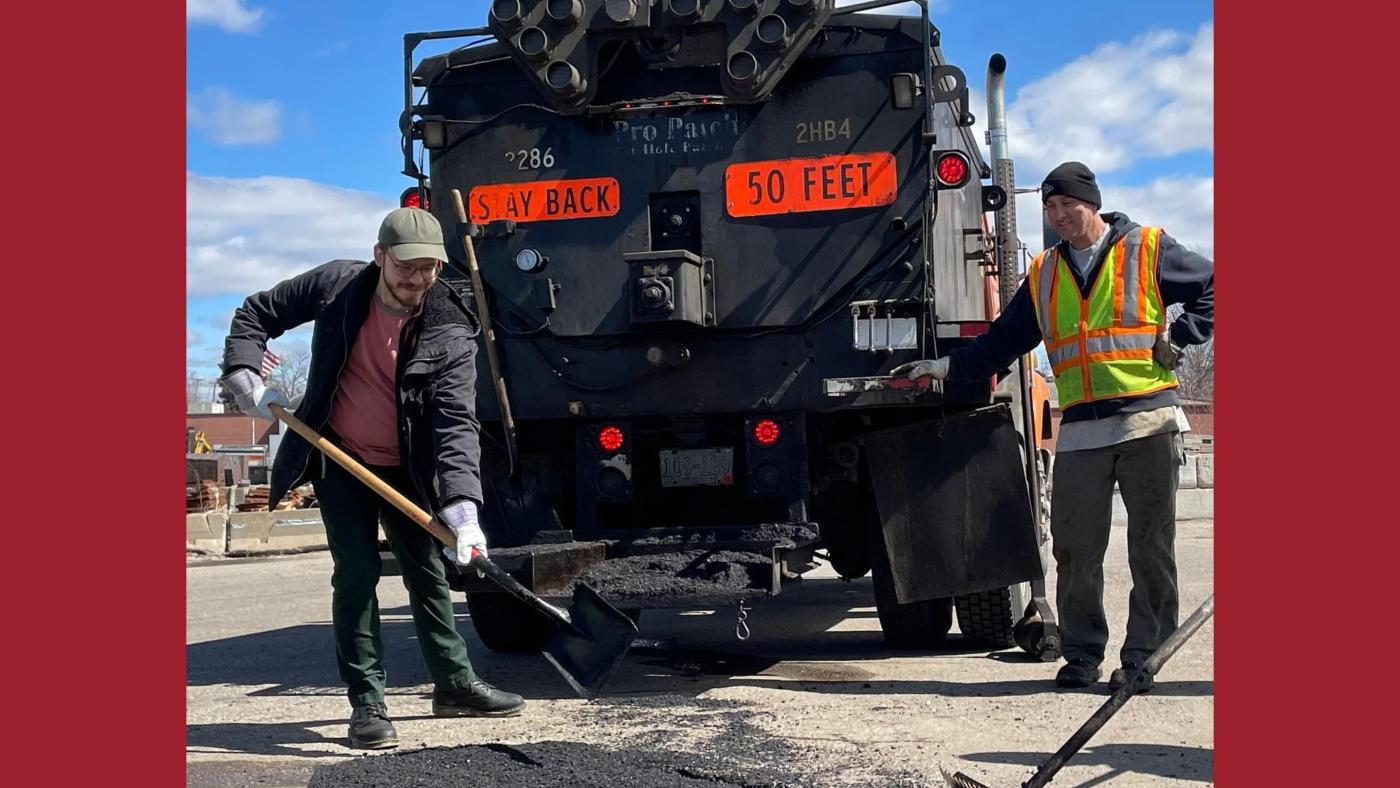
{"x": 351, "y": 512}
{"x": 1081, "y": 512}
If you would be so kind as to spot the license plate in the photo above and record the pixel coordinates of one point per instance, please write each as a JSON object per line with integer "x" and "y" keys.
{"x": 697, "y": 467}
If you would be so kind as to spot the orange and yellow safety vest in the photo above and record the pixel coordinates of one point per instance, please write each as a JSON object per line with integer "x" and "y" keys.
{"x": 1101, "y": 346}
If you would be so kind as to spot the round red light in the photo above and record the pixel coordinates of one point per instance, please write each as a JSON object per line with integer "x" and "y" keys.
{"x": 610, "y": 438}
{"x": 766, "y": 432}
{"x": 952, "y": 169}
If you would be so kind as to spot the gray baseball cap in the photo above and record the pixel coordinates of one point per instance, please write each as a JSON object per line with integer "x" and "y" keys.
{"x": 412, "y": 233}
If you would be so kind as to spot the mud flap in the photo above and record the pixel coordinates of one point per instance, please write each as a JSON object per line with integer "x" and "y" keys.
{"x": 954, "y": 505}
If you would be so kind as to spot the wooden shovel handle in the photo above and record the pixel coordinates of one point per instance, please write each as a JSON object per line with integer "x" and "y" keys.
{"x": 400, "y": 502}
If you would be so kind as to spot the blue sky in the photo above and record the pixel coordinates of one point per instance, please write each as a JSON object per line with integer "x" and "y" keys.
{"x": 293, "y": 154}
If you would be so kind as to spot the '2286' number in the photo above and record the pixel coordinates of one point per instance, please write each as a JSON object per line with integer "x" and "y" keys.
{"x": 531, "y": 159}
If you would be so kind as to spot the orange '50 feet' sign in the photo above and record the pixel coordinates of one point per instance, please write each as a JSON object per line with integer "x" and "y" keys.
{"x": 539, "y": 201}
{"x": 821, "y": 183}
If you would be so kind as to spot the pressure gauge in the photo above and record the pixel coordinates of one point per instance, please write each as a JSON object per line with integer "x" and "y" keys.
{"x": 530, "y": 261}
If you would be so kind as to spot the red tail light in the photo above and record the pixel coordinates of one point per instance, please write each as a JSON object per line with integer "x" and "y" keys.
{"x": 952, "y": 169}
{"x": 411, "y": 198}
{"x": 610, "y": 438}
{"x": 766, "y": 432}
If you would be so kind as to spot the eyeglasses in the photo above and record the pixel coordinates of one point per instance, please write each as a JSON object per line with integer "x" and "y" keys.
{"x": 409, "y": 271}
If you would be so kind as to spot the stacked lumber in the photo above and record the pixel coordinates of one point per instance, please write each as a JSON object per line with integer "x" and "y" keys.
{"x": 256, "y": 501}
{"x": 201, "y": 497}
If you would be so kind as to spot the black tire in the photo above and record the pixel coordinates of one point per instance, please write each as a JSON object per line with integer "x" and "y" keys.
{"x": 505, "y": 624}
{"x": 919, "y": 625}
{"x": 988, "y": 618}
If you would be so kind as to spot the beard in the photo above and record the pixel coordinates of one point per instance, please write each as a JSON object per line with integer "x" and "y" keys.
{"x": 403, "y": 298}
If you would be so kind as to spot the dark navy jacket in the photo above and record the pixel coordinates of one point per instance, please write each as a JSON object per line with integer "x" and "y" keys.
{"x": 439, "y": 435}
{"x": 1183, "y": 277}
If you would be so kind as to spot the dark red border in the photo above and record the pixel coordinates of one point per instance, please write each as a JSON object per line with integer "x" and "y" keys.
{"x": 94, "y": 282}
{"x": 1305, "y": 555}
{"x": 1306, "y": 396}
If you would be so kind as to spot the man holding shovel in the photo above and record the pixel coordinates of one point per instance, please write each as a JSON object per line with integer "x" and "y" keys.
{"x": 1099, "y": 300}
{"x": 392, "y": 380}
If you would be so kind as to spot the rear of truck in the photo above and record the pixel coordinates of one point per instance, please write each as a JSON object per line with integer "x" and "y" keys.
{"x": 707, "y": 230}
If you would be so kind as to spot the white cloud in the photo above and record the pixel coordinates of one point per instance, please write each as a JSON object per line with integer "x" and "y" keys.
{"x": 245, "y": 235}
{"x": 229, "y": 15}
{"x": 229, "y": 120}
{"x": 1119, "y": 104}
{"x": 1183, "y": 206}
{"x": 191, "y": 337}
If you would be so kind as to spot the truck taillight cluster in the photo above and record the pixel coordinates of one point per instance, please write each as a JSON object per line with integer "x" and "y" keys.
{"x": 775, "y": 456}
{"x": 605, "y": 462}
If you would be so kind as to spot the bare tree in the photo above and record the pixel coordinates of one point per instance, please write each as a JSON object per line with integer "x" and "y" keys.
{"x": 290, "y": 376}
{"x": 1196, "y": 373}
{"x": 198, "y": 389}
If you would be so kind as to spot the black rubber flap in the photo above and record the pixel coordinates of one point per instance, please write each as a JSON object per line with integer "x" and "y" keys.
{"x": 954, "y": 505}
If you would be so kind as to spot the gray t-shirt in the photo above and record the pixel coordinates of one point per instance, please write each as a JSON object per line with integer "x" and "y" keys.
{"x": 1080, "y": 258}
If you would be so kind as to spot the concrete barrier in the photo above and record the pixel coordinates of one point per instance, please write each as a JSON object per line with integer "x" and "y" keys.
{"x": 1186, "y": 480}
{"x": 206, "y": 532}
{"x": 290, "y": 529}
{"x": 1205, "y": 470}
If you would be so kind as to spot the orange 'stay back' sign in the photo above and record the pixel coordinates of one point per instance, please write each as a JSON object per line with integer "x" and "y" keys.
{"x": 539, "y": 201}
{"x": 821, "y": 183}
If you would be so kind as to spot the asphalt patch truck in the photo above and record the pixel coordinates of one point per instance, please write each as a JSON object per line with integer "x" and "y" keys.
{"x": 706, "y": 231}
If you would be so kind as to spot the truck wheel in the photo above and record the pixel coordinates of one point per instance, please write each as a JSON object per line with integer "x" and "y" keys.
{"x": 988, "y": 618}
{"x": 505, "y": 624}
{"x": 910, "y": 625}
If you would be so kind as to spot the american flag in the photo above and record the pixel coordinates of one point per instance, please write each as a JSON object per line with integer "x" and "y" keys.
{"x": 270, "y": 361}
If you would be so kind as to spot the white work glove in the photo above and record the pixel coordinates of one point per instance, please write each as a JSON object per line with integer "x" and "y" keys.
{"x": 934, "y": 367}
{"x": 251, "y": 395}
{"x": 1166, "y": 352}
{"x": 461, "y": 517}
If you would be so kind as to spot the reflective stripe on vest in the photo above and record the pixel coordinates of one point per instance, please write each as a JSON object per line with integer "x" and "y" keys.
{"x": 1100, "y": 347}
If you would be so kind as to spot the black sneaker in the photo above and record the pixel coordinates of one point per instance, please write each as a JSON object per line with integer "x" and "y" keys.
{"x": 370, "y": 728}
{"x": 1119, "y": 678}
{"x": 477, "y": 699}
{"x": 1077, "y": 674}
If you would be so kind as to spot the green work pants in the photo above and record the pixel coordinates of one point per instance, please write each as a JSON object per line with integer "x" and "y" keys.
{"x": 352, "y": 512}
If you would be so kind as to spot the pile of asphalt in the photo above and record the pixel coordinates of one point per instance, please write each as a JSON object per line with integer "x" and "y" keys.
{"x": 757, "y": 539}
{"x": 549, "y": 764}
{"x": 689, "y": 573}
{"x": 669, "y": 741}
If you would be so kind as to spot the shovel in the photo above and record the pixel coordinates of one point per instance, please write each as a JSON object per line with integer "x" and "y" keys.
{"x": 591, "y": 638}
{"x": 1110, "y": 707}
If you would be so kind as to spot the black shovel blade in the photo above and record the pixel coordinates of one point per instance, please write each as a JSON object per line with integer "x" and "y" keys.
{"x": 586, "y": 652}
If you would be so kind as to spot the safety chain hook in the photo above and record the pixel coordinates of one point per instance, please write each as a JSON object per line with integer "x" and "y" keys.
{"x": 741, "y": 629}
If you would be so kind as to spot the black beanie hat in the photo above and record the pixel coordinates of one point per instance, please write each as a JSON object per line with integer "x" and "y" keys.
{"x": 1072, "y": 179}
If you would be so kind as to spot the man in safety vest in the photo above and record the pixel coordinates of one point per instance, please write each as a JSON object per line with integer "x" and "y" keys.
{"x": 1099, "y": 300}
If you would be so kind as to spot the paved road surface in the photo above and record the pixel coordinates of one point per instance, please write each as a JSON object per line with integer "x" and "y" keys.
{"x": 264, "y": 705}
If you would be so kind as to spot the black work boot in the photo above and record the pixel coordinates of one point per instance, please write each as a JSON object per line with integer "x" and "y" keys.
{"x": 1118, "y": 678}
{"x": 370, "y": 728}
{"x": 1077, "y": 674}
{"x": 477, "y": 699}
